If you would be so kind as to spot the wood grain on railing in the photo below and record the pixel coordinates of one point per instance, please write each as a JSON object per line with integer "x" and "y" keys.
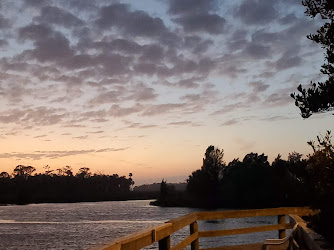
{"x": 244, "y": 230}
{"x": 161, "y": 233}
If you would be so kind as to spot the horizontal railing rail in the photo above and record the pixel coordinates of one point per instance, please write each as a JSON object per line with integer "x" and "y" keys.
{"x": 162, "y": 232}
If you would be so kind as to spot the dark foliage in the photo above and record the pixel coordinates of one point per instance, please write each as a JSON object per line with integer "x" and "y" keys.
{"x": 204, "y": 184}
{"x": 319, "y": 97}
{"x": 250, "y": 183}
{"x": 23, "y": 187}
{"x": 321, "y": 171}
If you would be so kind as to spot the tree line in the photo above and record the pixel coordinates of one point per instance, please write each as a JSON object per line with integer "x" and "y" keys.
{"x": 255, "y": 183}
{"x": 62, "y": 185}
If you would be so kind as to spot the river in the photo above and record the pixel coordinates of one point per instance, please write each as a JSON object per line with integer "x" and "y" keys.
{"x": 87, "y": 224}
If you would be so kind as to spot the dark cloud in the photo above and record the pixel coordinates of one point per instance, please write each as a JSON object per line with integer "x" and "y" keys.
{"x": 238, "y": 40}
{"x": 258, "y": 86}
{"x": 35, "y": 32}
{"x": 288, "y": 19}
{"x": 3, "y": 43}
{"x": 197, "y": 44}
{"x": 197, "y": 16}
{"x": 202, "y": 22}
{"x": 55, "y": 15}
{"x": 257, "y": 51}
{"x": 136, "y": 23}
{"x": 263, "y": 37}
{"x": 4, "y": 22}
{"x": 35, "y": 3}
{"x": 287, "y": 62}
{"x": 142, "y": 93}
{"x": 49, "y": 45}
{"x": 191, "y": 6}
{"x": 119, "y": 44}
{"x": 257, "y": 11}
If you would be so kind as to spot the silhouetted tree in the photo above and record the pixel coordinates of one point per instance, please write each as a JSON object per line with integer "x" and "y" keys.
{"x": 204, "y": 184}
{"x": 26, "y": 188}
{"x": 319, "y": 97}
{"x": 321, "y": 164}
{"x": 48, "y": 170}
{"x": 23, "y": 171}
{"x": 320, "y": 167}
{"x": 4, "y": 175}
{"x": 83, "y": 173}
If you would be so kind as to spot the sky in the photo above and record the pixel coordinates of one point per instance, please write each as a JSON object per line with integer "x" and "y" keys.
{"x": 146, "y": 86}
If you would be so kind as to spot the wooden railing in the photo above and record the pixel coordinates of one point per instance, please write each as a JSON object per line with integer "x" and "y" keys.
{"x": 162, "y": 232}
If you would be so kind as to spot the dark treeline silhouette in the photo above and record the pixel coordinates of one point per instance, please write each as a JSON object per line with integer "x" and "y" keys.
{"x": 255, "y": 183}
{"x": 62, "y": 185}
{"x": 252, "y": 182}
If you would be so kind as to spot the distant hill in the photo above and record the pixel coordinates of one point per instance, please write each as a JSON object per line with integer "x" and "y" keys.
{"x": 155, "y": 187}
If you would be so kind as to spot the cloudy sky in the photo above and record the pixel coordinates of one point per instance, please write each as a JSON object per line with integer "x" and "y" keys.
{"x": 145, "y": 86}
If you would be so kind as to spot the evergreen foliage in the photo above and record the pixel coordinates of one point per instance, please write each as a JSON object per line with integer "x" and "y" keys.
{"x": 319, "y": 97}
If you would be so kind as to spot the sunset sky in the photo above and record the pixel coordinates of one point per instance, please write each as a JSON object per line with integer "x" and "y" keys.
{"x": 146, "y": 86}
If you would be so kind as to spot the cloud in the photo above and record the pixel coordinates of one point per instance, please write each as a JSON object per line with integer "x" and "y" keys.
{"x": 202, "y": 22}
{"x": 139, "y": 125}
{"x": 279, "y": 98}
{"x": 197, "y": 16}
{"x": 230, "y": 122}
{"x": 162, "y": 109}
{"x": 49, "y": 45}
{"x": 40, "y": 136}
{"x": 38, "y": 155}
{"x": 55, "y": 15}
{"x": 35, "y": 3}
{"x": 81, "y": 137}
{"x": 40, "y": 116}
{"x": 257, "y": 51}
{"x": 142, "y": 93}
{"x": 136, "y": 23}
{"x": 258, "y": 86}
{"x": 4, "y": 22}
{"x": 230, "y": 108}
{"x": 185, "y": 123}
{"x": 3, "y": 43}
{"x": 253, "y": 12}
{"x": 191, "y": 6}
{"x": 276, "y": 118}
{"x": 287, "y": 62}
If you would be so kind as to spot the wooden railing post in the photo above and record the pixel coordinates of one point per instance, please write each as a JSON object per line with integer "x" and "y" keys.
{"x": 164, "y": 244}
{"x": 194, "y": 229}
{"x": 281, "y": 221}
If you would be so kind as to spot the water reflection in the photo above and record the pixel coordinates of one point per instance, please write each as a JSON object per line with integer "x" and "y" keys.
{"x": 84, "y": 225}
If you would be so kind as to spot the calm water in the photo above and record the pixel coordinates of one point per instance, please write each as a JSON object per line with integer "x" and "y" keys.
{"x": 84, "y": 225}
